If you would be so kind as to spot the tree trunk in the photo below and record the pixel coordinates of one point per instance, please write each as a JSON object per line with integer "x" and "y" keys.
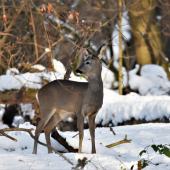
{"x": 146, "y": 34}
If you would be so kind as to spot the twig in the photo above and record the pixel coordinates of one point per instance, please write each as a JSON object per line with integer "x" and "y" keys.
{"x": 73, "y": 55}
{"x": 12, "y": 23}
{"x": 55, "y": 43}
{"x": 75, "y": 135}
{"x": 41, "y": 143}
{"x": 33, "y": 26}
{"x": 4, "y": 134}
{"x": 39, "y": 58}
{"x": 139, "y": 165}
{"x": 3, "y": 7}
{"x": 111, "y": 129}
{"x": 118, "y": 143}
{"x": 122, "y": 163}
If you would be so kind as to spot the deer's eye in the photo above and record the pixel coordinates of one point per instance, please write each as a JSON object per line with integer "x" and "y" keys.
{"x": 87, "y": 63}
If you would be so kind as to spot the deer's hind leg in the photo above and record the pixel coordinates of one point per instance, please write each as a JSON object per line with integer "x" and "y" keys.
{"x": 46, "y": 115}
{"x": 55, "y": 119}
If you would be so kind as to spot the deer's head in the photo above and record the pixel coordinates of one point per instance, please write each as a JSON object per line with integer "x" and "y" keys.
{"x": 92, "y": 64}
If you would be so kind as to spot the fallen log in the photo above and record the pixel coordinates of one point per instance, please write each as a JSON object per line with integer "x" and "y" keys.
{"x": 63, "y": 141}
{"x": 18, "y": 96}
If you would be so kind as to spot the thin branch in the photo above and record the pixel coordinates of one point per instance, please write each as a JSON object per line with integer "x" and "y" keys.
{"x": 4, "y": 134}
{"x": 111, "y": 129}
{"x": 12, "y": 23}
{"x": 3, "y": 7}
{"x": 39, "y": 58}
{"x": 33, "y": 26}
{"x": 41, "y": 143}
{"x": 118, "y": 143}
{"x": 73, "y": 55}
{"x": 75, "y": 135}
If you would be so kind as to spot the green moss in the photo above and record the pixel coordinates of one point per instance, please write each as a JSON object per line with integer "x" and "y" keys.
{"x": 31, "y": 93}
{"x": 9, "y": 91}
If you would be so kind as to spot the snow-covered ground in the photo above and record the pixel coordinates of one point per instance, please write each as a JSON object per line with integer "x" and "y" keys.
{"x": 18, "y": 155}
{"x": 153, "y": 80}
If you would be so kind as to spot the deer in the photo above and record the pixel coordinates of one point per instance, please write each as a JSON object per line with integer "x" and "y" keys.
{"x": 61, "y": 98}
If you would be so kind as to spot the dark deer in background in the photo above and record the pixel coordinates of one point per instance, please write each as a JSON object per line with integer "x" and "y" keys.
{"x": 60, "y": 98}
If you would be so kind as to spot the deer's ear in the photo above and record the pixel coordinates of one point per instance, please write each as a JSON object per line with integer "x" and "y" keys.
{"x": 87, "y": 52}
{"x": 101, "y": 51}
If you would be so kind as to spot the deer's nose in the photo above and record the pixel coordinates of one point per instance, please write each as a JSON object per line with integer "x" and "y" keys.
{"x": 78, "y": 71}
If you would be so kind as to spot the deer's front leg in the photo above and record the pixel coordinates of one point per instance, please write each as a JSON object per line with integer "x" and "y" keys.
{"x": 92, "y": 131}
{"x": 80, "y": 126}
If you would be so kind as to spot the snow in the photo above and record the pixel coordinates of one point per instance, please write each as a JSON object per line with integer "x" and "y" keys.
{"x": 17, "y": 121}
{"x": 108, "y": 77}
{"x": 27, "y": 110}
{"x": 159, "y": 17}
{"x": 2, "y": 126}
{"x": 47, "y": 50}
{"x": 156, "y": 74}
{"x": 33, "y": 80}
{"x": 12, "y": 71}
{"x": 58, "y": 66}
{"x": 28, "y": 80}
{"x": 38, "y": 66}
{"x": 18, "y": 155}
{"x": 2, "y": 110}
{"x": 117, "y": 108}
{"x": 152, "y": 81}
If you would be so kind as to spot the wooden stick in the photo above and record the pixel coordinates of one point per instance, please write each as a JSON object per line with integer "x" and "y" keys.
{"x": 4, "y": 134}
{"x": 111, "y": 129}
{"x": 120, "y": 142}
{"x": 139, "y": 165}
{"x": 75, "y": 135}
{"x": 41, "y": 143}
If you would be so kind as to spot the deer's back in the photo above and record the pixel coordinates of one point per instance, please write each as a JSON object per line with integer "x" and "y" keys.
{"x": 63, "y": 94}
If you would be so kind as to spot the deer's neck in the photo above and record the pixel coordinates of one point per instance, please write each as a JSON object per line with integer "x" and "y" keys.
{"x": 95, "y": 84}
{"x": 94, "y": 94}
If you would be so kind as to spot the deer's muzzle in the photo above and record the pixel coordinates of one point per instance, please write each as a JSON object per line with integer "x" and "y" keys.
{"x": 79, "y": 71}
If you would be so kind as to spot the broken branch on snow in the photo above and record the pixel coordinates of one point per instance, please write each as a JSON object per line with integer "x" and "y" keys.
{"x": 2, "y": 131}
